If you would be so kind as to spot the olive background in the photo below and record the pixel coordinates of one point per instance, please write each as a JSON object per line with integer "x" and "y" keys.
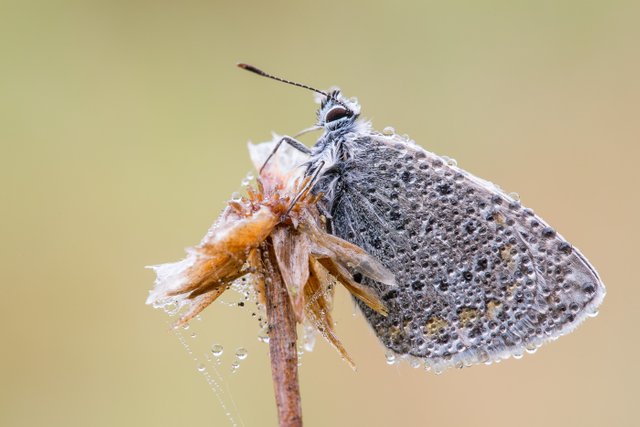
{"x": 124, "y": 125}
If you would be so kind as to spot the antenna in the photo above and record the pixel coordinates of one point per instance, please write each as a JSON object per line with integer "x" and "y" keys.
{"x": 280, "y": 79}
{"x": 263, "y": 74}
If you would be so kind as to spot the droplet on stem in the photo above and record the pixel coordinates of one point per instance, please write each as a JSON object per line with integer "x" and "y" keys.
{"x": 217, "y": 350}
{"x": 242, "y": 353}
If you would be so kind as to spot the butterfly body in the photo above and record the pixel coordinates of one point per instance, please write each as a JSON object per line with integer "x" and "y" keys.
{"x": 479, "y": 277}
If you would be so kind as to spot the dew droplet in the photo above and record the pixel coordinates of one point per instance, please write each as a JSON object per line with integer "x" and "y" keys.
{"x": 388, "y": 130}
{"x": 217, "y": 350}
{"x": 193, "y": 335}
{"x": 247, "y": 180}
{"x": 309, "y": 338}
{"x": 263, "y": 338}
{"x": 391, "y": 357}
{"x": 185, "y": 326}
{"x": 171, "y": 308}
{"x": 531, "y": 348}
{"x": 452, "y": 162}
{"x": 235, "y": 366}
{"x": 201, "y": 367}
{"x": 415, "y": 363}
{"x": 242, "y": 353}
{"x": 515, "y": 196}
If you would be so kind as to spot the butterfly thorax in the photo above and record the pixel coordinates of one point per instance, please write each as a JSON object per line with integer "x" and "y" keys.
{"x": 339, "y": 117}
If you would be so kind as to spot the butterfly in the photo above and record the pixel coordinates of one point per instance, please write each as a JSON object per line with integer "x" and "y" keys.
{"x": 479, "y": 277}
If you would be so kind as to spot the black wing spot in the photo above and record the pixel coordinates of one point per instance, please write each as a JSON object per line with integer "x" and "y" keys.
{"x": 444, "y": 189}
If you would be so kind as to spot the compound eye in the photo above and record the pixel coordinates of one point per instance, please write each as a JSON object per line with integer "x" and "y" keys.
{"x": 336, "y": 113}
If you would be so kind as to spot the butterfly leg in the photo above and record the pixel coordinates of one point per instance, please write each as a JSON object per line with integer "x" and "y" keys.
{"x": 292, "y": 142}
{"x": 307, "y": 186}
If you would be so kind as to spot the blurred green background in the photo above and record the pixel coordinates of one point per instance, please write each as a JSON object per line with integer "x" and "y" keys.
{"x": 123, "y": 127}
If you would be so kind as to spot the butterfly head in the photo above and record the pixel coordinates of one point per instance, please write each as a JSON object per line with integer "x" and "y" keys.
{"x": 336, "y": 112}
{"x": 337, "y": 115}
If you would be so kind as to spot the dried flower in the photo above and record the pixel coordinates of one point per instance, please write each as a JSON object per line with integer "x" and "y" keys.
{"x": 310, "y": 261}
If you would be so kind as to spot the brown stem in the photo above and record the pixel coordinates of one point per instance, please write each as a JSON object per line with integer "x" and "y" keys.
{"x": 282, "y": 343}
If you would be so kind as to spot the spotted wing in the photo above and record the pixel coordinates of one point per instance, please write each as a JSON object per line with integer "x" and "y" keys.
{"x": 479, "y": 276}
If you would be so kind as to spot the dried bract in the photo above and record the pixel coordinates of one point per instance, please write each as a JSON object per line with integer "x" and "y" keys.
{"x": 310, "y": 261}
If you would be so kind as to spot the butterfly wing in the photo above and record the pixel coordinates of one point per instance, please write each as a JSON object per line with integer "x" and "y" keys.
{"x": 479, "y": 276}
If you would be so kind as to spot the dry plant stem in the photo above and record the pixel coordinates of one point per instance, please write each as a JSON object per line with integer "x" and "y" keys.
{"x": 282, "y": 344}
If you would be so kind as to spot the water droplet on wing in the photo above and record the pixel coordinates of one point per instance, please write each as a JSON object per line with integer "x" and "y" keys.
{"x": 391, "y": 357}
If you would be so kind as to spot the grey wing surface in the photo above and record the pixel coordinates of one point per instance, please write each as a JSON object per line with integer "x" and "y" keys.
{"x": 479, "y": 276}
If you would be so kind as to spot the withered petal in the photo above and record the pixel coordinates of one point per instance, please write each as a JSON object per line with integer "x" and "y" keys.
{"x": 219, "y": 258}
{"x": 236, "y": 235}
{"x": 198, "y": 304}
{"x": 292, "y": 252}
{"x": 365, "y": 294}
{"x": 209, "y": 286}
{"x": 207, "y": 271}
{"x": 318, "y": 311}
{"x": 348, "y": 254}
